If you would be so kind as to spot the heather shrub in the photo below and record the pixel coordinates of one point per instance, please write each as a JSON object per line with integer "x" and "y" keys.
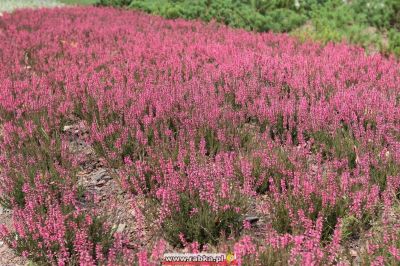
{"x": 205, "y": 207}
{"x": 39, "y": 153}
{"x": 195, "y": 220}
{"x": 382, "y": 170}
{"x": 286, "y": 214}
{"x": 41, "y": 188}
{"x": 383, "y": 241}
{"x": 51, "y": 228}
{"x": 268, "y": 256}
{"x": 341, "y": 145}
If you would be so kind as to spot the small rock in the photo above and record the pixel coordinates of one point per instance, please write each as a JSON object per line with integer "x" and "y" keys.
{"x": 1, "y": 243}
{"x": 1, "y": 210}
{"x": 121, "y": 228}
{"x": 252, "y": 219}
{"x": 66, "y": 128}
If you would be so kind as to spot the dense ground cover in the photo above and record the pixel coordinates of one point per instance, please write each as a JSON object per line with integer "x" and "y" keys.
{"x": 201, "y": 125}
{"x": 373, "y": 24}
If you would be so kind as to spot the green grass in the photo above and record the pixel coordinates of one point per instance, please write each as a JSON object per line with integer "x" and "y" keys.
{"x": 79, "y": 2}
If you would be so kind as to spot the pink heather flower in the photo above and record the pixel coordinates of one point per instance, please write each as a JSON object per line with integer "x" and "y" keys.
{"x": 99, "y": 253}
{"x": 183, "y": 239}
{"x": 378, "y": 261}
{"x": 194, "y": 247}
{"x": 395, "y": 252}
{"x": 158, "y": 250}
{"x": 194, "y": 211}
{"x": 83, "y": 248}
{"x": 244, "y": 247}
{"x": 142, "y": 258}
{"x": 3, "y": 231}
{"x": 246, "y": 225}
{"x": 335, "y": 243}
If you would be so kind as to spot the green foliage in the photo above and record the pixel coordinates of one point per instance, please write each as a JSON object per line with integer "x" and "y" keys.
{"x": 205, "y": 225}
{"x": 394, "y": 42}
{"x": 41, "y": 153}
{"x": 353, "y": 226}
{"x": 268, "y": 256}
{"x": 380, "y": 172}
{"x": 383, "y": 14}
{"x": 120, "y": 3}
{"x": 282, "y": 20}
{"x": 79, "y": 2}
{"x": 339, "y": 145}
{"x": 251, "y": 15}
{"x": 336, "y": 22}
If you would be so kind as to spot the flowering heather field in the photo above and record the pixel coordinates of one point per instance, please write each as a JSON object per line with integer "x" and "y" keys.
{"x": 199, "y": 128}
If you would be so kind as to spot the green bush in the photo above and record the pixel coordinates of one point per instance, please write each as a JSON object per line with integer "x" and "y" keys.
{"x": 335, "y": 20}
{"x": 250, "y": 15}
{"x": 394, "y": 42}
{"x": 282, "y": 20}
{"x": 115, "y": 3}
{"x": 384, "y": 14}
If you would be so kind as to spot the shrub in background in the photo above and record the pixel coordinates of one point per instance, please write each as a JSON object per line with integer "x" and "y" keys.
{"x": 116, "y": 3}
{"x": 362, "y": 22}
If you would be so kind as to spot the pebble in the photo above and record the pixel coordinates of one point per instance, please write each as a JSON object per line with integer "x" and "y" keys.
{"x": 121, "y": 228}
{"x": 66, "y": 128}
{"x": 252, "y": 219}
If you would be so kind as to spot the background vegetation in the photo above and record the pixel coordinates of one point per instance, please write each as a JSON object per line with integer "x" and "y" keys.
{"x": 373, "y": 24}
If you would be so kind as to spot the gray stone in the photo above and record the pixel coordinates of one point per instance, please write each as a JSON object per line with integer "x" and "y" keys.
{"x": 252, "y": 219}
{"x": 100, "y": 175}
